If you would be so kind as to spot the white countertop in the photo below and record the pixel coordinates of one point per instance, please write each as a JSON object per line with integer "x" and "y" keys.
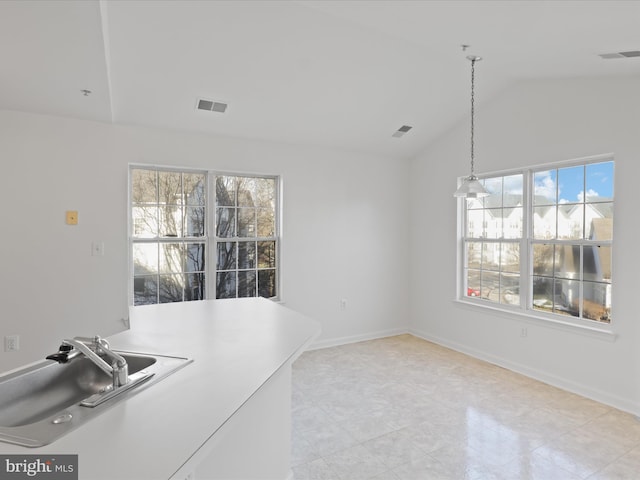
{"x": 236, "y": 345}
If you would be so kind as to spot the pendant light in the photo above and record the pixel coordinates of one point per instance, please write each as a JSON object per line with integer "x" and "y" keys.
{"x": 471, "y": 186}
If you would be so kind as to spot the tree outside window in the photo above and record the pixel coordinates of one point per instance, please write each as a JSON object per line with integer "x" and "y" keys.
{"x": 247, "y": 245}
{"x": 171, "y": 244}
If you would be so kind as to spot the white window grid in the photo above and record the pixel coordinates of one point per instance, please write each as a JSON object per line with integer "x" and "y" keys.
{"x": 526, "y": 244}
{"x": 209, "y": 239}
{"x": 215, "y": 240}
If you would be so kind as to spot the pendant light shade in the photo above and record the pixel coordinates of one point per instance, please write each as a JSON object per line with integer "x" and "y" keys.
{"x": 471, "y": 186}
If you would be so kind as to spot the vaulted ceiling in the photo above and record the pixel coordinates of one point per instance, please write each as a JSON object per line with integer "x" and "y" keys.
{"x": 344, "y": 74}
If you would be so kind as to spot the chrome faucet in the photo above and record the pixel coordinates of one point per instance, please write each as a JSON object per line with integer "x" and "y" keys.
{"x": 92, "y": 348}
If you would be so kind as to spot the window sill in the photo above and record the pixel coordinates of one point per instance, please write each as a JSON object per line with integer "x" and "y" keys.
{"x": 595, "y": 331}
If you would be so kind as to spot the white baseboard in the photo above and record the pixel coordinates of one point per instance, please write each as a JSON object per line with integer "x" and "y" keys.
{"x": 546, "y": 377}
{"x": 334, "y": 342}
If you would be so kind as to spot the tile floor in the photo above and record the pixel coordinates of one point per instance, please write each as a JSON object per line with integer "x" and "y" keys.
{"x": 403, "y": 408}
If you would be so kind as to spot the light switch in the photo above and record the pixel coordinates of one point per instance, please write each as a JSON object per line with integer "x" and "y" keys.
{"x": 72, "y": 217}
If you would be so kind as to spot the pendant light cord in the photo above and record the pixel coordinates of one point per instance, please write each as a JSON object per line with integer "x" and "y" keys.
{"x": 473, "y": 71}
{"x": 471, "y": 187}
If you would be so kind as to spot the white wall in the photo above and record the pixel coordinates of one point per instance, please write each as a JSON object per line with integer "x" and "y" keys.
{"x": 53, "y": 288}
{"x": 532, "y": 123}
{"x": 345, "y": 228}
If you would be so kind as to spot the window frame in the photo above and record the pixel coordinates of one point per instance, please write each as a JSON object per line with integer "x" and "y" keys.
{"x": 525, "y": 308}
{"x": 215, "y": 240}
{"x": 209, "y": 237}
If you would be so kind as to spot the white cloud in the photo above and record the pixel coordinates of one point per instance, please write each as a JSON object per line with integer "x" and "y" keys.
{"x": 513, "y": 184}
{"x": 545, "y": 185}
{"x": 590, "y": 193}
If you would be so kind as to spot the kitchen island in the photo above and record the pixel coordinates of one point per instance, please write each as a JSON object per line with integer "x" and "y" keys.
{"x": 226, "y": 416}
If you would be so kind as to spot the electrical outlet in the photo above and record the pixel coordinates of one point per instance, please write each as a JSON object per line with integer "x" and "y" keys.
{"x": 524, "y": 332}
{"x": 12, "y": 343}
{"x": 343, "y": 304}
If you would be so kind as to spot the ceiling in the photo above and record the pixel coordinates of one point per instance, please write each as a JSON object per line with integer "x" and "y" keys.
{"x": 343, "y": 74}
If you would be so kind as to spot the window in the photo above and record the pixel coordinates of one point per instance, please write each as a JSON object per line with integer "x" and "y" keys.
{"x": 171, "y": 245}
{"x": 542, "y": 241}
{"x": 246, "y": 241}
{"x": 168, "y": 212}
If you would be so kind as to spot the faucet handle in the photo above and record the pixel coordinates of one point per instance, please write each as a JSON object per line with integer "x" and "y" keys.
{"x": 101, "y": 342}
{"x": 66, "y": 348}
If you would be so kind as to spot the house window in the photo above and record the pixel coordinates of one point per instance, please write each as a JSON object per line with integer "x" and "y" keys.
{"x": 174, "y": 254}
{"x": 542, "y": 241}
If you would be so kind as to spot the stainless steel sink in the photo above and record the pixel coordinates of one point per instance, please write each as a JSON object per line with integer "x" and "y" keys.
{"x": 43, "y": 402}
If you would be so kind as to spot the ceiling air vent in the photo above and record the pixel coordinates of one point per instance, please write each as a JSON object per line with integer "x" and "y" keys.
{"x": 211, "y": 106}
{"x": 401, "y": 131}
{"x": 631, "y": 54}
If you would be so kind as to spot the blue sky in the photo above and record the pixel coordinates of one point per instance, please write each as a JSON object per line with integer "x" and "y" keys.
{"x": 596, "y": 179}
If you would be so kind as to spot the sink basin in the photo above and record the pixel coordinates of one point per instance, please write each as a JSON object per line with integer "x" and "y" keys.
{"x": 43, "y": 402}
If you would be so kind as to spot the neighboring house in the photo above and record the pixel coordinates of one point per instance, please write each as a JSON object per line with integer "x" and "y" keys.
{"x": 488, "y": 219}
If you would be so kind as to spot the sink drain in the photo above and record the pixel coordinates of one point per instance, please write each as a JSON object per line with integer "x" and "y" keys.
{"x": 64, "y": 418}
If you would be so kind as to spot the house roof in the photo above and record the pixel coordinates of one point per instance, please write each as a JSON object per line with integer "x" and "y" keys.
{"x": 603, "y": 206}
